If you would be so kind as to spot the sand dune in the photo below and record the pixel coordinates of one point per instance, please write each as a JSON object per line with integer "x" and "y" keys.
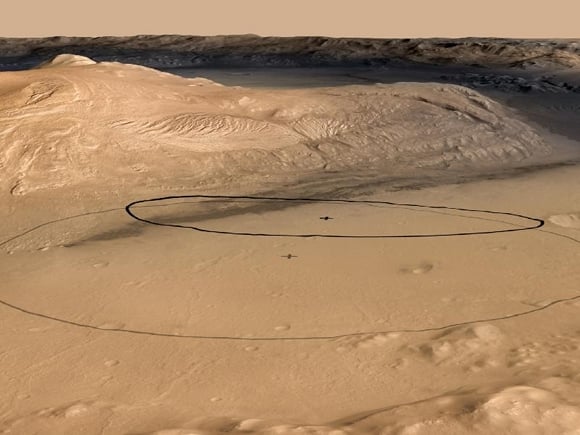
{"x": 571, "y": 220}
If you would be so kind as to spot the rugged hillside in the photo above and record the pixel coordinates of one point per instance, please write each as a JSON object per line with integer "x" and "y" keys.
{"x": 73, "y": 121}
{"x": 166, "y": 51}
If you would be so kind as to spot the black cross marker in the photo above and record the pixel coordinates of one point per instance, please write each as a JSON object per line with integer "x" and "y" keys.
{"x": 325, "y": 218}
{"x": 289, "y": 256}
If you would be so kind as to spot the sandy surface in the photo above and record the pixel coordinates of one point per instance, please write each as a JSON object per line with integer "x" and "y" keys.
{"x": 111, "y": 325}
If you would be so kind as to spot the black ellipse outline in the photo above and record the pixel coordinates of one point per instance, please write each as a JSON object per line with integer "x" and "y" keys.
{"x": 539, "y": 222}
{"x": 272, "y": 339}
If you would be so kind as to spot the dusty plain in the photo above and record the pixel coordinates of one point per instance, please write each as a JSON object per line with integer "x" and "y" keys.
{"x": 387, "y": 248}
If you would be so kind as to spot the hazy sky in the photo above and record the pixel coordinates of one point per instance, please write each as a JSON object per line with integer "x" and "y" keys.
{"x": 370, "y": 18}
